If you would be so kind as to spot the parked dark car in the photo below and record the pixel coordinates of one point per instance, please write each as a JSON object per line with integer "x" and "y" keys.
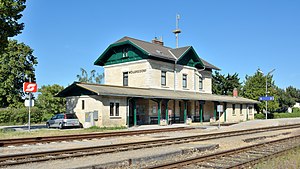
{"x": 63, "y": 121}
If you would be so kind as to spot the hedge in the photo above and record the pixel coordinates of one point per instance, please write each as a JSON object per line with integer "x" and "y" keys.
{"x": 295, "y": 113}
{"x": 10, "y": 116}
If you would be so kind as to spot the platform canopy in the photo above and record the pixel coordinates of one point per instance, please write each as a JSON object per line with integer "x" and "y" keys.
{"x": 79, "y": 88}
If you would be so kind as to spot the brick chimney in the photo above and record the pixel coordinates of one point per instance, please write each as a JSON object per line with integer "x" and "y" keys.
{"x": 235, "y": 92}
{"x": 158, "y": 41}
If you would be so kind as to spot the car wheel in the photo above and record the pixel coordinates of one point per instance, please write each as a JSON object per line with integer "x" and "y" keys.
{"x": 48, "y": 125}
{"x": 80, "y": 125}
{"x": 61, "y": 126}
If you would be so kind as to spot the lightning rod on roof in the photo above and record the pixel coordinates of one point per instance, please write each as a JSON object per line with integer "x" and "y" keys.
{"x": 177, "y": 30}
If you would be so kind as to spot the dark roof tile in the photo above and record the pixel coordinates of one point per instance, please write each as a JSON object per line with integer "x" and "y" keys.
{"x": 163, "y": 52}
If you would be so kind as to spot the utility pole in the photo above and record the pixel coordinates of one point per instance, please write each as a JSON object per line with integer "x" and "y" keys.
{"x": 177, "y": 30}
{"x": 266, "y": 89}
{"x": 267, "y": 96}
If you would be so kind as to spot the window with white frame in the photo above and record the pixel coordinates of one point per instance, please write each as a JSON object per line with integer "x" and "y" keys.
{"x": 114, "y": 109}
{"x": 200, "y": 83}
{"x": 125, "y": 78}
{"x": 163, "y": 78}
{"x": 184, "y": 80}
{"x": 111, "y": 109}
{"x": 117, "y": 109}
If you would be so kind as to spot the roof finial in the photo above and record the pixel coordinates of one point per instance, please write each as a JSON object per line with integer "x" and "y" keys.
{"x": 177, "y": 30}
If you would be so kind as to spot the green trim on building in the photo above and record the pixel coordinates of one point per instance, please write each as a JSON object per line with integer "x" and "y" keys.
{"x": 215, "y": 111}
{"x": 225, "y": 108}
{"x": 134, "y": 113}
{"x": 190, "y": 58}
{"x": 185, "y": 111}
{"x": 158, "y": 112}
{"x": 167, "y": 111}
{"x": 114, "y": 54}
{"x": 247, "y": 112}
{"x": 201, "y": 113}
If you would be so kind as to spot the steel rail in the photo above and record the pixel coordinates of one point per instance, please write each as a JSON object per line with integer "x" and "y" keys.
{"x": 22, "y": 158}
{"x": 236, "y": 158}
{"x": 34, "y": 140}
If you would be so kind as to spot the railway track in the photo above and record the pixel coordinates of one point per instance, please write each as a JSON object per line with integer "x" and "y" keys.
{"x": 15, "y": 159}
{"x": 236, "y": 158}
{"x": 35, "y": 140}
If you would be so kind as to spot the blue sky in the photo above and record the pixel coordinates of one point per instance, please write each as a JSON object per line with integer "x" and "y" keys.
{"x": 236, "y": 36}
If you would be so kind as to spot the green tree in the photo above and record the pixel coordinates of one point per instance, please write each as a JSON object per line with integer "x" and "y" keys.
{"x": 10, "y": 13}
{"x": 224, "y": 85}
{"x": 255, "y": 86}
{"x": 49, "y": 104}
{"x": 284, "y": 99}
{"x": 293, "y": 93}
{"x": 16, "y": 66}
{"x": 93, "y": 77}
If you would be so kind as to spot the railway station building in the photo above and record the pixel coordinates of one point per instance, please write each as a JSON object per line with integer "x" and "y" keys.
{"x": 149, "y": 83}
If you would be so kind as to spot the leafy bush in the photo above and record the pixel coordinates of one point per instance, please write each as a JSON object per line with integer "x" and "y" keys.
{"x": 259, "y": 116}
{"x": 296, "y": 109}
{"x": 11, "y": 116}
{"x": 286, "y": 115}
{"x": 263, "y": 116}
{"x": 296, "y": 113}
{"x": 5, "y": 116}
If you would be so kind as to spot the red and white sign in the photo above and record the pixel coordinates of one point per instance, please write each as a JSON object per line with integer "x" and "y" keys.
{"x": 29, "y": 87}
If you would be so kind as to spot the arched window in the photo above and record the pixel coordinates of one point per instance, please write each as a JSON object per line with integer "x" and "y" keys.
{"x": 125, "y": 52}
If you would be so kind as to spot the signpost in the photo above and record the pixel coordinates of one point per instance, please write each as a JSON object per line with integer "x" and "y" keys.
{"x": 219, "y": 109}
{"x": 29, "y": 87}
{"x": 266, "y": 98}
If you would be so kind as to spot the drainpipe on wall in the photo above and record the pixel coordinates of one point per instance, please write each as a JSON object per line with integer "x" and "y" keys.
{"x": 127, "y": 113}
{"x": 175, "y": 75}
{"x": 195, "y": 79}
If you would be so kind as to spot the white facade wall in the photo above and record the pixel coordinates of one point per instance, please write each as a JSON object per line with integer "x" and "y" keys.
{"x": 138, "y": 74}
{"x": 237, "y": 115}
{"x": 98, "y": 104}
{"x": 147, "y": 74}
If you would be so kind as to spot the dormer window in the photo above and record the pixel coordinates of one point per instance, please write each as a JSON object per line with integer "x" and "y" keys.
{"x": 125, "y": 52}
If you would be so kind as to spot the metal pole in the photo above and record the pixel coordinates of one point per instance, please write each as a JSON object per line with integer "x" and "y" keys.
{"x": 29, "y": 108}
{"x": 128, "y": 109}
{"x": 219, "y": 120}
{"x": 266, "y": 96}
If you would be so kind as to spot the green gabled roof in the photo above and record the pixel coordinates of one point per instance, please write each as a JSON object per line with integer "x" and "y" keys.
{"x": 102, "y": 58}
{"x": 155, "y": 51}
{"x": 190, "y": 58}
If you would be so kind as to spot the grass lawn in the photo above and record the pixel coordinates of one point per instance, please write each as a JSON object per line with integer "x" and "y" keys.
{"x": 289, "y": 160}
{"x": 8, "y": 133}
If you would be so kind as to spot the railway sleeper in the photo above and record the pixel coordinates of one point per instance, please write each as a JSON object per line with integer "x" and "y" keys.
{"x": 221, "y": 162}
{"x": 246, "y": 157}
{"x": 207, "y": 165}
{"x": 215, "y": 164}
{"x": 257, "y": 152}
{"x": 232, "y": 159}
